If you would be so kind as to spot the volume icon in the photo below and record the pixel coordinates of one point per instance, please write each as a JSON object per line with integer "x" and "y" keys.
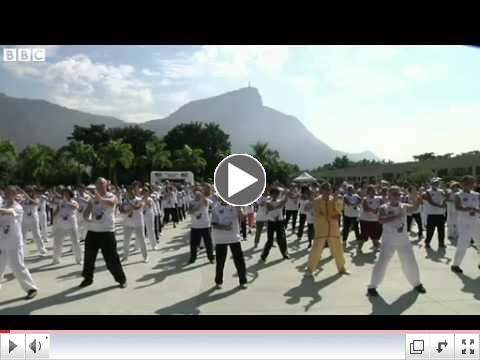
{"x": 35, "y": 346}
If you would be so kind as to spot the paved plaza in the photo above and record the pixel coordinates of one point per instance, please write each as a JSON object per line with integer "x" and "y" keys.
{"x": 166, "y": 285}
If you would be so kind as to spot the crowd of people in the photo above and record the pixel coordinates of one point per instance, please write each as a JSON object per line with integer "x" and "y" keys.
{"x": 382, "y": 213}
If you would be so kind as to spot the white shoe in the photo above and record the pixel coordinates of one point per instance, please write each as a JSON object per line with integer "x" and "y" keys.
{"x": 146, "y": 260}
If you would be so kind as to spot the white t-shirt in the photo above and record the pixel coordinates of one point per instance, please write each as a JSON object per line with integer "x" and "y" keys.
{"x": 438, "y": 196}
{"x": 472, "y": 200}
{"x": 226, "y": 215}
{"x": 276, "y": 214}
{"x": 291, "y": 204}
{"x": 301, "y": 203}
{"x": 30, "y": 212}
{"x": 42, "y": 208}
{"x": 169, "y": 200}
{"x": 67, "y": 218}
{"x": 199, "y": 215}
{"x": 103, "y": 216}
{"x": 352, "y": 210}
{"x": 396, "y": 229}
{"x": 309, "y": 211}
{"x": 262, "y": 208}
{"x": 373, "y": 203}
{"x": 11, "y": 228}
{"x": 149, "y": 208}
{"x": 134, "y": 217}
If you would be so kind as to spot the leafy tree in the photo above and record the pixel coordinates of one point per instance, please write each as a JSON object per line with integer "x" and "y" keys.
{"x": 210, "y": 138}
{"x": 277, "y": 171}
{"x": 116, "y": 154}
{"x": 36, "y": 163}
{"x": 157, "y": 154}
{"x": 95, "y": 135}
{"x": 80, "y": 156}
{"x": 189, "y": 159}
{"x": 8, "y": 161}
{"x": 134, "y": 135}
{"x": 424, "y": 156}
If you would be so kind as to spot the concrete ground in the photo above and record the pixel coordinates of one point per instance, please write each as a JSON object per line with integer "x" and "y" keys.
{"x": 166, "y": 285}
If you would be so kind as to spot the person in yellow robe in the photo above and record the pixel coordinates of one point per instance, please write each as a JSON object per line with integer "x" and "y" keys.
{"x": 327, "y": 211}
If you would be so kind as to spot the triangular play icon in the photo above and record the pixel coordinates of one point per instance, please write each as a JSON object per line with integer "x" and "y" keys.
{"x": 11, "y": 346}
{"x": 238, "y": 180}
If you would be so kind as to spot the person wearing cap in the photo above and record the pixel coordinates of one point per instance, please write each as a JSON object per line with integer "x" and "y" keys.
{"x": 393, "y": 216}
{"x": 452, "y": 215}
{"x": 467, "y": 205}
{"x": 275, "y": 224}
{"x": 327, "y": 210}
{"x": 11, "y": 242}
{"x": 351, "y": 213}
{"x": 435, "y": 198}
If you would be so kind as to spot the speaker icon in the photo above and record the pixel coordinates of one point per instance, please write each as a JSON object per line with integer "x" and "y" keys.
{"x": 35, "y": 346}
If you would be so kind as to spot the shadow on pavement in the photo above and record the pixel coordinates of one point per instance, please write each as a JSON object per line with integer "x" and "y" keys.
{"x": 404, "y": 302}
{"x": 192, "y": 305}
{"x": 27, "y": 308}
{"x": 309, "y": 288}
{"x": 361, "y": 258}
{"x": 438, "y": 256}
{"x": 470, "y": 285}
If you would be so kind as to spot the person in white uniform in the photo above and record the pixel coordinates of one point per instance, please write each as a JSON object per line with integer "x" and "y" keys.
{"x": 351, "y": 213}
{"x": 291, "y": 208}
{"x": 452, "y": 215}
{"x": 30, "y": 221}
{"x": 226, "y": 232}
{"x": 261, "y": 217}
{"x": 134, "y": 223}
{"x": 275, "y": 225}
{"x": 467, "y": 204}
{"x": 82, "y": 199}
{"x": 200, "y": 224}
{"x": 412, "y": 198}
{"x": 393, "y": 216}
{"x": 149, "y": 216}
{"x": 11, "y": 243}
{"x": 67, "y": 225}
{"x": 370, "y": 228}
{"x": 42, "y": 216}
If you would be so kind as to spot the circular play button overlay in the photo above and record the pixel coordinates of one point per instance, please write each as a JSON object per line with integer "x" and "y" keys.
{"x": 240, "y": 179}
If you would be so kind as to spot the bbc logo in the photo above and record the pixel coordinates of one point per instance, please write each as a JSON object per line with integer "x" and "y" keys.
{"x": 23, "y": 54}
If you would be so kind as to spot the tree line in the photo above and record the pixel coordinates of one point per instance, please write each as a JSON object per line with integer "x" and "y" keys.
{"x": 128, "y": 153}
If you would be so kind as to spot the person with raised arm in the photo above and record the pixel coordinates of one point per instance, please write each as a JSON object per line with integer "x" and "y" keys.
{"x": 393, "y": 216}
{"x": 11, "y": 242}
{"x": 100, "y": 216}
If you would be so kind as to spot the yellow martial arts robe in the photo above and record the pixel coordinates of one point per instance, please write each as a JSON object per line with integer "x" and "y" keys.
{"x": 327, "y": 229}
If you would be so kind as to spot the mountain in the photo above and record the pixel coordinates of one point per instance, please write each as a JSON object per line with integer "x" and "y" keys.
{"x": 241, "y": 114}
{"x": 26, "y": 121}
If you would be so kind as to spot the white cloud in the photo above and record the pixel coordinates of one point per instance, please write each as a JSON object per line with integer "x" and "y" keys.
{"x": 80, "y": 83}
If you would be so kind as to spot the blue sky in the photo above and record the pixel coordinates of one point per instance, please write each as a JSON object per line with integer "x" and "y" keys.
{"x": 396, "y": 101}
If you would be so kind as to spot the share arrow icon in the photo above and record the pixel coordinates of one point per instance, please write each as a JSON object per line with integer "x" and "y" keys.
{"x": 442, "y": 346}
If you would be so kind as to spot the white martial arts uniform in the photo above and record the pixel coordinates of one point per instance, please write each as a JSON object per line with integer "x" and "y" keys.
{"x": 67, "y": 225}
{"x": 452, "y": 215}
{"x": 11, "y": 247}
{"x": 31, "y": 222}
{"x": 395, "y": 239}
{"x": 134, "y": 222}
{"x": 468, "y": 225}
{"x": 42, "y": 217}
{"x": 82, "y": 226}
{"x": 149, "y": 216}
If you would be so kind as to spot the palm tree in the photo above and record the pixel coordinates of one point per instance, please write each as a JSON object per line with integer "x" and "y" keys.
{"x": 157, "y": 154}
{"x": 114, "y": 154}
{"x": 83, "y": 157}
{"x": 189, "y": 159}
{"x": 37, "y": 161}
{"x": 8, "y": 160}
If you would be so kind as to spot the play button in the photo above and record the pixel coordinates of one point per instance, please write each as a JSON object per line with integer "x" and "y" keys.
{"x": 11, "y": 346}
{"x": 239, "y": 179}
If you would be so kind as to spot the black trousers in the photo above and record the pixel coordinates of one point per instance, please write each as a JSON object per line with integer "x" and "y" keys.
{"x": 350, "y": 223}
{"x": 303, "y": 220}
{"x": 291, "y": 214}
{"x": 106, "y": 242}
{"x": 170, "y": 213}
{"x": 182, "y": 212}
{"x": 158, "y": 226}
{"x": 275, "y": 228}
{"x": 50, "y": 215}
{"x": 418, "y": 220}
{"x": 196, "y": 236}
{"x": 310, "y": 233}
{"x": 243, "y": 227}
{"x": 259, "y": 225}
{"x": 238, "y": 259}
{"x": 438, "y": 222}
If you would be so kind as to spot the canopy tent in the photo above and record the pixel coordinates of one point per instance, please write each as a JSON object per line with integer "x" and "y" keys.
{"x": 304, "y": 177}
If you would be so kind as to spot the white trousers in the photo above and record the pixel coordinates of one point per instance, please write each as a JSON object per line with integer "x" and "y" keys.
{"x": 149, "y": 224}
{"x": 402, "y": 246}
{"x": 139, "y": 239}
{"x": 60, "y": 234}
{"x": 82, "y": 227}
{"x": 14, "y": 259}
{"x": 452, "y": 220}
{"x": 35, "y": 229}
{"x": 467, "y": 230}
{"x": 42, "y": 217}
